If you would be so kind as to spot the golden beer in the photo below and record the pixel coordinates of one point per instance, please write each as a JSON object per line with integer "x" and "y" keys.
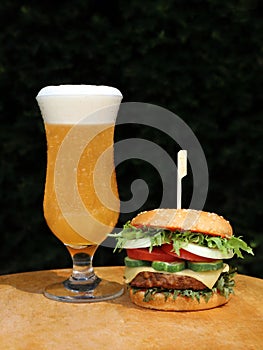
{"x": 81, "y": 204}
{"x": 67, "y": 220}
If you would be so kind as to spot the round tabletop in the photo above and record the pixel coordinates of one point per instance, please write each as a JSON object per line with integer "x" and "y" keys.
{"x": 31, "y": 321}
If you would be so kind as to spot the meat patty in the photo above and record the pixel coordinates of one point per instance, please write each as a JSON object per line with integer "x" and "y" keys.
{"x": 148, "y": 279}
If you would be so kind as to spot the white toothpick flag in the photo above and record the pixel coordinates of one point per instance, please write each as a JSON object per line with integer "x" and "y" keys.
{"x": 181, "y": 172}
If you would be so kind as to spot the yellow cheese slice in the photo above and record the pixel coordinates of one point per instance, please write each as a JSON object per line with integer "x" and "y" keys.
{"x": 208, "y": 278}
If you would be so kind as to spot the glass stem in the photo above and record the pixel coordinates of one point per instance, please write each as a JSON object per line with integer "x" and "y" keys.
{"x": 82, "y": 276}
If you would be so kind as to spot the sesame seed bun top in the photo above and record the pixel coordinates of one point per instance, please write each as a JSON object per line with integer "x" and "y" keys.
{"x": 185, "y": 220}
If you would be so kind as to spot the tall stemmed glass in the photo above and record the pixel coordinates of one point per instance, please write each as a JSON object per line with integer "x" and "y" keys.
{"x": 81, "y": 204}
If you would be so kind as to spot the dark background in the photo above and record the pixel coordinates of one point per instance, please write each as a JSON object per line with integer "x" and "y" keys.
{"x": 200, "y": 59}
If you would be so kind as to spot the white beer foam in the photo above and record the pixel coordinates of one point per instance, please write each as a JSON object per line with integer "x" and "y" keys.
{"x": 58, "y": 90}
{"x": 84, "y": 104}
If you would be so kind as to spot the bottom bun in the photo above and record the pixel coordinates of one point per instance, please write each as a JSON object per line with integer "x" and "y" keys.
{"x": 181, "y": 303}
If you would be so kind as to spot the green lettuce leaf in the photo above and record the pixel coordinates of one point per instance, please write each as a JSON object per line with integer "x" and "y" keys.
{"x": 180, "y": 239}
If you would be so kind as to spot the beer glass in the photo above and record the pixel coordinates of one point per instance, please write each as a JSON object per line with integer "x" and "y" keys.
{"x": 81, "y": 204}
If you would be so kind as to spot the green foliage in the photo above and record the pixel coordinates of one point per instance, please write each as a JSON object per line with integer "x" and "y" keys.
{"x": 200, "y": 59}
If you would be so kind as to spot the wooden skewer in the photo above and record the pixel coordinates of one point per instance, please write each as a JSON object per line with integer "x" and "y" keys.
{"x": 181, "y": 172}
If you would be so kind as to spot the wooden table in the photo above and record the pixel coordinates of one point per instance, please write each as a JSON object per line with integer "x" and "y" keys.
{"x": 31, "y": 321}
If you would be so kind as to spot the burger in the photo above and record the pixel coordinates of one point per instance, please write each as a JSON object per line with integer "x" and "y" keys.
{"x": 176, "y": 259}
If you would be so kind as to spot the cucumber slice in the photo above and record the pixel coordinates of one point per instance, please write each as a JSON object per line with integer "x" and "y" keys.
{"x": 168, "y": 267}
{"x": 135, "y": 263}
{"x": 205, "y": 266}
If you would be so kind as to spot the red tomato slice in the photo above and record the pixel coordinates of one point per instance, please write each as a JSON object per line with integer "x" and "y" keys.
{"x": 185, "y": 255}
{"x": 157, "y": 254}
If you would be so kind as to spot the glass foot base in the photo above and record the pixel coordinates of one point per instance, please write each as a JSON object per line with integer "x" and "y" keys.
{"x": 104, "y": 290}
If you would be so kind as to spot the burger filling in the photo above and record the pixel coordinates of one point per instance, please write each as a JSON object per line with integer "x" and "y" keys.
{"x": 192, "y": 279}
{"x": 169, "y": 285}
{"x": 184, "y": 263}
